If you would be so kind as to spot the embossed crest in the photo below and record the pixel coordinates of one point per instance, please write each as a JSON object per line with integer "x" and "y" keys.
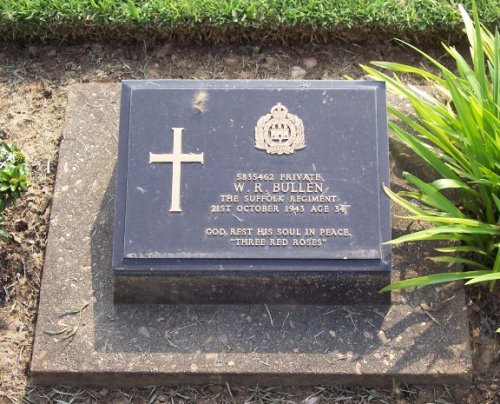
{"x": 279, "y": 132}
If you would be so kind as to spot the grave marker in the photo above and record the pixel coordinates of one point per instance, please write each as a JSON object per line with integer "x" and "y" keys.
{"x": 133, "y": 345}
{"x": 280, "y": 197}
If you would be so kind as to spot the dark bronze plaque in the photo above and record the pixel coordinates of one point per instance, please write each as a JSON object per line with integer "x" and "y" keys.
{"x": 251, "y": 177}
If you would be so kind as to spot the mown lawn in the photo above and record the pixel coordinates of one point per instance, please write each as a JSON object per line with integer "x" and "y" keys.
{"x": 234, "y": 20}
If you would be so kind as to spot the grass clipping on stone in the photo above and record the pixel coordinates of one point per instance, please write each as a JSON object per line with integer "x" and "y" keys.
{"x": 457, "y": 132}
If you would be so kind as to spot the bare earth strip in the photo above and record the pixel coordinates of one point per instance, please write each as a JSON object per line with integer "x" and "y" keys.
{"x": 33, "y": 86}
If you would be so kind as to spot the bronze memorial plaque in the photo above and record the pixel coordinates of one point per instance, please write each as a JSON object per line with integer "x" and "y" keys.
{"x": 252, "y": 191}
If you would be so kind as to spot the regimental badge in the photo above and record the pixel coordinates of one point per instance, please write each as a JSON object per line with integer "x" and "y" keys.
{"x": 279, "y": 132}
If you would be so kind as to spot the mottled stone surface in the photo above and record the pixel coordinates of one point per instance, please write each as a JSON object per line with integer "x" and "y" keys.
{"x": 82, "y": 338}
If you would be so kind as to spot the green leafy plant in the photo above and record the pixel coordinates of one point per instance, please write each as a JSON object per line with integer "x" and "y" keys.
{"x": 456, "y": 130}
{"x": 13, "y": 178}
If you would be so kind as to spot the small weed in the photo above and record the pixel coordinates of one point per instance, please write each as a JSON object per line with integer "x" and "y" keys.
{"x": 13, "y": 178}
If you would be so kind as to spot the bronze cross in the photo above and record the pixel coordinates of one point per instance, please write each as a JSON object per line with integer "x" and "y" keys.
{"x": 176, "y": 158}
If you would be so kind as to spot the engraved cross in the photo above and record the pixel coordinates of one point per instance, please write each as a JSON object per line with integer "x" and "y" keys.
{"x": 176, "y": 158}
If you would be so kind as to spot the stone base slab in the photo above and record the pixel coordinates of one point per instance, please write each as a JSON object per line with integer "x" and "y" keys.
{"x": 82, "y": 338}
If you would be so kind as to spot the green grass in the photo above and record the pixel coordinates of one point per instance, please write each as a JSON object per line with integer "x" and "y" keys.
{"x": 235, "y": 20}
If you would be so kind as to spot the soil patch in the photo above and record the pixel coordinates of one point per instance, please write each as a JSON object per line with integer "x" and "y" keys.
{"x": 33, "y": 86}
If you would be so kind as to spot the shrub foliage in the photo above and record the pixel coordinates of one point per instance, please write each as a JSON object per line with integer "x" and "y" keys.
{"x": 456, "y": 130}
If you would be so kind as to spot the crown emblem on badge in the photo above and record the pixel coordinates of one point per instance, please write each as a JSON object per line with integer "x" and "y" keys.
{"x": 279, "y": 132}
